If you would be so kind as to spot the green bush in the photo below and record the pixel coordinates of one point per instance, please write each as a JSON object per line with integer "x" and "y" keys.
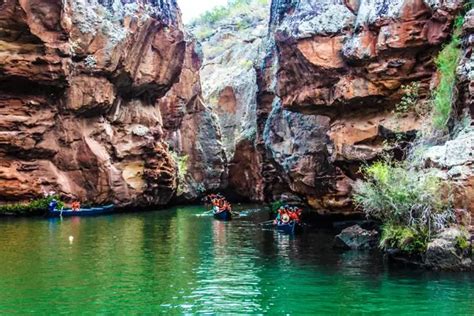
{"x": 408, "y": 201}
{"x": 446, "y": 63}
{"x": 409, "y": 99}
{"x": 204, "y": 32}
{"x": 395, "y": 193}
{"x": 408, "y": 239}
{"x": 462, "y": 243}
{"x": 275, "y": 206}
{"x": 35, "y": 207}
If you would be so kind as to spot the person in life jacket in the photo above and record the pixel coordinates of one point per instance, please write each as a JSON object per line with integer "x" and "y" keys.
{"x": 75, "y": 206}
{"x": 52, "y": 205}
{"x": 282, "y": 215}
{"x": 215, "y": 206}
{"x": 294, "y": 216}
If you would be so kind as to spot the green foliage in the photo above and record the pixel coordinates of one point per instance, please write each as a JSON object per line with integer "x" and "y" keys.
{"x": 243, "y": 11}
{"x": 409, "y": 99}
{"x": 215, "y": 51}
{"x": 35, "y": 207}
{"x": 408, "y": 201}
{"x": 398, "y": 194}
{"x": 204, "y": 32}
{"x": 408, "y": 239}
{"x": 275, "y": 206}
{"x": 246, "y": 64}
{"x": 182, "y": 166}
{"x": 462, "y": 243}
{"x": 446, "y": 63}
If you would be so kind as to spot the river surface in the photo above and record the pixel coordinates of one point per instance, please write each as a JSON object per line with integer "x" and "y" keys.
{"x": 177, "y": 262}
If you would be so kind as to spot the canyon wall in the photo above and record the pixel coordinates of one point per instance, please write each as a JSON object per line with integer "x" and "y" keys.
{"x": 233, "y": 48}
{"x": 192, "y": 130}
{"x": 79, "y": 81}
{"x": 110, "y": 101}
{"x": 330, "y": 86}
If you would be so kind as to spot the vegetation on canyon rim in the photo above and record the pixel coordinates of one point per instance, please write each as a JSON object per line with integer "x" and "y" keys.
{"x": 206, "y": 24}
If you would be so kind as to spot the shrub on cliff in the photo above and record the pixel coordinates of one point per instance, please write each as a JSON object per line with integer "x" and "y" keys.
{"x": 408, "y": 201}
{"x": 35, "y": 207}
{"x": 182, "y": 169}
{"x": 446, "y": 63}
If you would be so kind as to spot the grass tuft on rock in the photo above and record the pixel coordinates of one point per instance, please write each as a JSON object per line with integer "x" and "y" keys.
{"x": 446, "y": 63}
{"x": 182, "y": 166}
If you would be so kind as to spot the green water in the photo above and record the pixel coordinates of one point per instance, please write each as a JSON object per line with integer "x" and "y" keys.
{"x": 174, "y": 262}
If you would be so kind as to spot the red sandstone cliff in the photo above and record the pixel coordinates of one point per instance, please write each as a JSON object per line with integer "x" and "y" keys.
{"x": 329, "y": 87}
{"x": 105, "y": 101}
{"x": 78, "y": 84}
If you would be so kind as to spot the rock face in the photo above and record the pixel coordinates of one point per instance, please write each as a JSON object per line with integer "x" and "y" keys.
{"x": 79, "y": 80}
{"x": 455, "y": 162}
{"x": 330, "y": 84}
{"x": 106, "y": 101}
{"x": 466, "y": 68}
{"x": 355, "y": 237}
{"x": 193, "y": 133}
{"x": 232, "y": 51}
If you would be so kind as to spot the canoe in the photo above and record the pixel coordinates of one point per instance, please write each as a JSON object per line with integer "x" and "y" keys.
{"x": 288, "y": 228}
{"x": 90, "y": 211}
{"x": 224, "y": 215}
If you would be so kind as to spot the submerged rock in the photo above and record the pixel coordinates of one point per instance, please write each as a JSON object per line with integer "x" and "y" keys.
{"x": 355, "y": 237}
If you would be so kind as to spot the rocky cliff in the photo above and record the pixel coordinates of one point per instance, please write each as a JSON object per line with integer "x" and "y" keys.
{"x": 233, "y": 47}
{"x": 192, "y": 130}
{"x": 110, "y": 101}
{"x": 78, "y": 91}
{"x": 331, "y": 85}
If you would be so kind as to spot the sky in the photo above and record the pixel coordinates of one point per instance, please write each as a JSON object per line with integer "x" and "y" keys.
{"x": 193, "y": 8}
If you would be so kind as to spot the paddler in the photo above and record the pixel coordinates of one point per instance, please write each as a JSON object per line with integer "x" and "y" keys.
{"x": 52, "y": 205}
{"x": 76, "y": 206}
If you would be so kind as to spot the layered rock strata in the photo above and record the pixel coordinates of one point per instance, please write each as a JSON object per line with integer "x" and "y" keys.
{"x": 78, "y": 84}
{"x": 341, "y": 67}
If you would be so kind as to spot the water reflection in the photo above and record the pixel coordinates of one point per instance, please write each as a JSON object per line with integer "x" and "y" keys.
{"x": 226, "y": 273}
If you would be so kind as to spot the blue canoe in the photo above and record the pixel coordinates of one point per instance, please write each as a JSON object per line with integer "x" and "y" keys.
{"x": 288, "y": 228}
{"x": 91, "y": 211}
{"x": 224, "y": 215}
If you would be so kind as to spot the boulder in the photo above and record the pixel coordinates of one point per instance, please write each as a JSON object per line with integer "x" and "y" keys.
{"x": 444, "y": 252}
